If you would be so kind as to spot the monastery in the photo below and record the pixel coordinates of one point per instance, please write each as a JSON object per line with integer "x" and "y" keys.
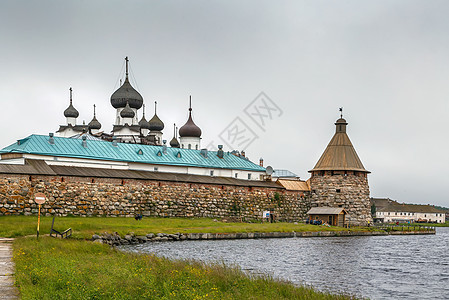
{"x": 84, "y": 171}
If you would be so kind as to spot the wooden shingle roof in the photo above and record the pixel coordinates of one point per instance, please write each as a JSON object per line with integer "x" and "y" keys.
{"x": 326, "y": 210}
{"x": 340, "y": 154}
{"x": 294, "y": 185}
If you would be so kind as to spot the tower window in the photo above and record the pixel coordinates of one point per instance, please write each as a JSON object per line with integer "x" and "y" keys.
{"x": 212, "y": 173}
{"x": 156, "y": 169}
{"x": 182, "y": 146}
{"x": 236, "y": 175}
{"x": 338, "y": 190}
{"x": 249, "y": 176}
{"x": 190, "y": 146}
{"x": 196, "y": 147}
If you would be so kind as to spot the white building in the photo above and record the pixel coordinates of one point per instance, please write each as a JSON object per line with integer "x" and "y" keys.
{"x": 409, "y": 213}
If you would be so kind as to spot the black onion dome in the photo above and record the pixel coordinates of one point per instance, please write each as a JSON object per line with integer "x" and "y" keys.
{"x": 71, "y": 112}
{"x": 127, "y": 112}
{"x": 143, "y": 123}
{"x": 190, "y": 129}
{"x": 156, "y": 124}
{"x": 94, "y": 124}
{"x": 174, "y": 143}
{"x": 126, "y": 94}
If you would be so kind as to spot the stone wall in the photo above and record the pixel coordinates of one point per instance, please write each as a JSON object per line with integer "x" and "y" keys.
{"x": 82, "y": 196}
{"x": 350, "y": 191}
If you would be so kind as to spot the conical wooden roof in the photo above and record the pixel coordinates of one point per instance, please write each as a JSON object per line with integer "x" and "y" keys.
{"x": 340, "y": 155}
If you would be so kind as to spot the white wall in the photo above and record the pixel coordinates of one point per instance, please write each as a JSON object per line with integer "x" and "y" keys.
{"x": 193, "y": 141}
{"x": 406, "y": 216}
{"x": 105, "y": 164}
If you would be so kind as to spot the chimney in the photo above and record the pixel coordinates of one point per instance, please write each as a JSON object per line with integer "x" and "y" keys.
{"x": 261, "y": 162}
{"x": 114, "y": 141}
{"x": 243, "y": 153}
{"x": 220, "y": 152}
{"x": 84, "y": 141}
{"x": 204, "y": 153}
{"x": 51, "y": 140}
{"x": 164, "y": 147}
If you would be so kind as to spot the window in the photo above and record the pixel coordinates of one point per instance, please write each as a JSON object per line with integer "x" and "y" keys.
{"x": 182, "y": 146}
{"x": 236, "y": 175}
{"x": 196, "y": 147}
{"x": 249, "y": 176}
{"x": 212, "y": 173}
{"x": 190, "y": 146}
{"x": 156, "y": 169}
{"x": 338, "y": 190}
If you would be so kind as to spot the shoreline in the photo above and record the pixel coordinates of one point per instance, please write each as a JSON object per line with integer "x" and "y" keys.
{"x": 130, "y": 239}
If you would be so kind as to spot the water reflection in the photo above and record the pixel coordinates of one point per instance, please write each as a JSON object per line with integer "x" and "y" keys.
{"x": 384, "y": 267}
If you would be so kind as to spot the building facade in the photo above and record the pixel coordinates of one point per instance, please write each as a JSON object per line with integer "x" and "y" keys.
{"x": 391, "y": 211}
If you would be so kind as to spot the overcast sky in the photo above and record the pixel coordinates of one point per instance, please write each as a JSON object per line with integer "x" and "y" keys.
{"x": 385, "y": 62}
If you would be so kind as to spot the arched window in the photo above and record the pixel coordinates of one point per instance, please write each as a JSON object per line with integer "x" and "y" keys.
{"x": 196, "y": 147}
{"x": 190, "y": 146}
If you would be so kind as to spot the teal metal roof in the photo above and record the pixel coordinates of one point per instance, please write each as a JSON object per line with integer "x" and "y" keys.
{"x": 103, "y": 150}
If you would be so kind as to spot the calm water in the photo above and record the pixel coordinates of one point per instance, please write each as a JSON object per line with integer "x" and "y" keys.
{"x": 386, "y": 267}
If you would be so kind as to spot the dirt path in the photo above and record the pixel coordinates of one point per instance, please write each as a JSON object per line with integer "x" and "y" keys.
{"x": 7, "y": 288}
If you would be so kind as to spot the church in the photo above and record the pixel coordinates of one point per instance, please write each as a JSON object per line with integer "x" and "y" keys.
{"x": 127, "y": 102}
{"x": 133, "y": 144}
{"x": 135, "y": 155}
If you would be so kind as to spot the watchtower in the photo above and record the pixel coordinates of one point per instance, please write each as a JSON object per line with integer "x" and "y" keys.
{"x": 339, "y": 178}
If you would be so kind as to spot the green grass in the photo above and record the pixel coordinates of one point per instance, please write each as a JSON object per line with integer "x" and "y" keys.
{"x": 432, "y": 224}
{"x": 84, "y": 228}
{"x": 72, "y": 269}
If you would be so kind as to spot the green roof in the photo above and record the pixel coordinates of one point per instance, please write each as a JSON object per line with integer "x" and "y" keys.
{"x": 103, "y": 150}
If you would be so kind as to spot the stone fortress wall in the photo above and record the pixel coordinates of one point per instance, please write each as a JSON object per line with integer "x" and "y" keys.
{"x": 350, "y": 191}
{"x": 85, "y": 196}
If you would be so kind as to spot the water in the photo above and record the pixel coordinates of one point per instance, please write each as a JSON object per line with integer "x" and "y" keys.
{"x": 381, "y": 267}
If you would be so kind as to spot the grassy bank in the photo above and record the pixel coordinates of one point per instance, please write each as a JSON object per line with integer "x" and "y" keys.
{"x": 15, "y": 226}
{"x": 431, "y": 224}
{"x": 73, "y": 269}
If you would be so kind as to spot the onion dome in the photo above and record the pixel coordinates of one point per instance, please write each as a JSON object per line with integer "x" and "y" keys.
{"x": 71, "y": 111}
{"x": 126, "y": 94}
{"x": 190, "y": 129}
{"x": 174, "y": 141}
{"x": 127, "y": 112}
{"x": 155, "y": 123}
{"x": 94, "y": 124}
{"x": 143, "y": 123}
